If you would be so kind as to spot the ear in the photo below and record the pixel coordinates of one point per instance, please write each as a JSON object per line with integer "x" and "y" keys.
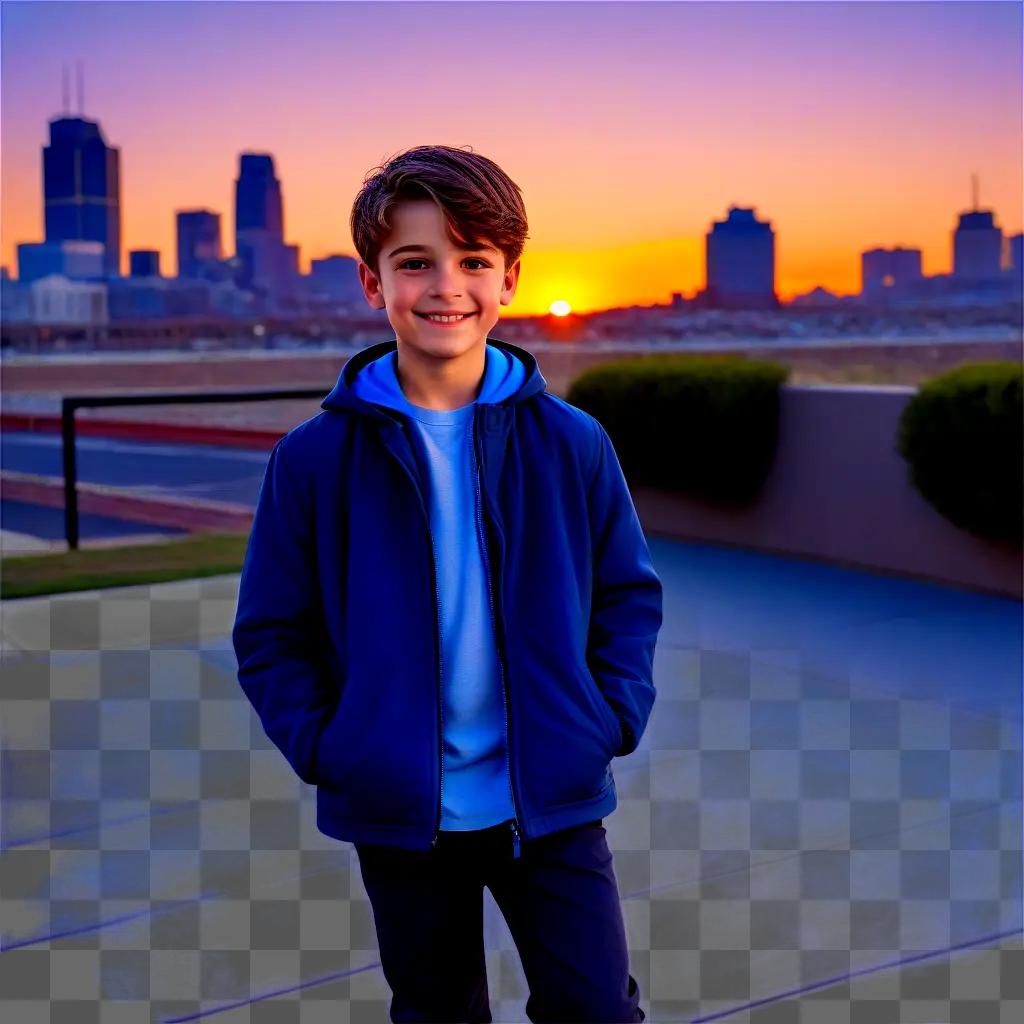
{"x": 370, "y": 285}
{"x": 509, "y": 283}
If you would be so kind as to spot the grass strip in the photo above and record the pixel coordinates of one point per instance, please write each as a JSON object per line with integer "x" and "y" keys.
{"x": 204, "y": 554}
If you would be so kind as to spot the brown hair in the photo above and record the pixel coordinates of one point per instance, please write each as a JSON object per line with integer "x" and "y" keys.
{"x": 480, "y": 202}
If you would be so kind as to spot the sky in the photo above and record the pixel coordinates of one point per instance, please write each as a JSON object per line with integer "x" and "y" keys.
{"x": 629, "y": 126}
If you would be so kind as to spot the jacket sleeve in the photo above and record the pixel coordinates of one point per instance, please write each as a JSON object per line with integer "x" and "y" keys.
{"x": 277, "y": 623}
{"x": 626, "y": 600}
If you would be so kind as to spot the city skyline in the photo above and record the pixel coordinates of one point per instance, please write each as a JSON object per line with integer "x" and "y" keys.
{"x": 620, "y": 259}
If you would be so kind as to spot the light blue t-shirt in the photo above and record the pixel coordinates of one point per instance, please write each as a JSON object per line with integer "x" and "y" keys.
{"x": 475, "y": 785}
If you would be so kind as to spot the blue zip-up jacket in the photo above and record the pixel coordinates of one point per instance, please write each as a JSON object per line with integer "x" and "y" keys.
{"x": 475, "y": 781}
{"x": 337, "y": 632}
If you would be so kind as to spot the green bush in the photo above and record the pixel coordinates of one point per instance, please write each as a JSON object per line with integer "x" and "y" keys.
{"x": 705, "y": 426}
{"x": 961, "y": 435}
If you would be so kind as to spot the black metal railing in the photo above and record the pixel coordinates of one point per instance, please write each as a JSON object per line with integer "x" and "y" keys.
{"x": 69, "y": 403}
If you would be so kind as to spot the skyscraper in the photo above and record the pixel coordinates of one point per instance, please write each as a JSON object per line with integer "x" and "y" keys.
{"x": 82, "y": 188}
{"x": 977, "y": 247}
{"x": 977, "y": 244}
{"x": 258, "y": 196}
{"x": 198, "y": 241}
{"x": 264, "y": 260}
{"x": 740, "y": 262}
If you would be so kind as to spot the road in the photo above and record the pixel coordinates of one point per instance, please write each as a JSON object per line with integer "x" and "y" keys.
{"x": 158, "y": 469}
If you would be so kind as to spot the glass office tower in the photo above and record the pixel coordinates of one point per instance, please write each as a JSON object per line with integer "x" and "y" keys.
{"x": 82, "y": 188}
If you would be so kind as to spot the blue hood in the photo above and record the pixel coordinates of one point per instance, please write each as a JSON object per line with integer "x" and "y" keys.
{"x": 511, "y": 375}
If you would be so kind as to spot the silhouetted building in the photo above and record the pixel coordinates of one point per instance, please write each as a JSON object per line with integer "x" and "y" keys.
{"x": 82, "y": 188}
{"x": 57, "y": 300}
{"x": 336, "y": 277}
{"x": 265, "y": 262}
{"x": 144, "y": 263}
{"x": 740, "y": 262}
{"x": 977, "y": 247}
{"x": 1016, "y": 250}
{"x": 74, "y": 260}
{"x": 198, "y": 242}
{"x": 885, "y": 272}
{"x": 818, "y": 298}
{"x": 15, "y": 297}
{"x": 258, "y": 196}
{"x": 142, "y": 298}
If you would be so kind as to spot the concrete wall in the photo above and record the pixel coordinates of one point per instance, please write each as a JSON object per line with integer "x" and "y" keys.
{"x": 840, "y": 492}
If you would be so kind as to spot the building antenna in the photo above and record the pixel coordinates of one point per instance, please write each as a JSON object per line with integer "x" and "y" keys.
{"x": 81, "y": 91}
{"x": 64, "y": 90}
{"x": 974, "y": 190}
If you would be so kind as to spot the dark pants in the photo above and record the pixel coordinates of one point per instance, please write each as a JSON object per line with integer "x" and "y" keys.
{"x": 559, "y": 899}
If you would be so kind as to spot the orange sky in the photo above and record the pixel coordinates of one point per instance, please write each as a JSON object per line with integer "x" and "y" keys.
{"x": 629, "y": 131}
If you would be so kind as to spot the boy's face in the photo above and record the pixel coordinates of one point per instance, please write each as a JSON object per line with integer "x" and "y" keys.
{"x": 437, "y": 277}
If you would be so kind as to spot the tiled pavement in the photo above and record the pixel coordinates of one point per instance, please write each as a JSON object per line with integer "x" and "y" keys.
{"x": 830, "y": 784}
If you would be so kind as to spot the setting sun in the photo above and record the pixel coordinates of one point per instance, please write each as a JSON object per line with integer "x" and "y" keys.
{"x": 560, "y": 308}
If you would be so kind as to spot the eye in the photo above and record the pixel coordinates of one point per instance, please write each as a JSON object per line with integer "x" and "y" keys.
{"x": 471, "y": 259}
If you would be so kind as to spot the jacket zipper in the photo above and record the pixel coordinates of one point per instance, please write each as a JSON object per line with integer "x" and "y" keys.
{"x": 482, "y": 534}
{"x": 440, "y": 702}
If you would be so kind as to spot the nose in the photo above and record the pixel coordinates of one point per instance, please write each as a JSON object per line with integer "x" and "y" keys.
{"x": 446, "y": 282}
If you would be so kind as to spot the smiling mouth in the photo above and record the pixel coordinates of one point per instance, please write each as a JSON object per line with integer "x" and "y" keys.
{"x": 465, "y": 316}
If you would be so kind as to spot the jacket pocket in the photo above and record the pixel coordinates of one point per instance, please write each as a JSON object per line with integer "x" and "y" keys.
{"x": 333, "y": 757}
{"x": 606, "y": 713}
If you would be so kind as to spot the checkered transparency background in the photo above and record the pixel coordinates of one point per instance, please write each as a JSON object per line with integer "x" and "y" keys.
{"x": 777, "y": 828}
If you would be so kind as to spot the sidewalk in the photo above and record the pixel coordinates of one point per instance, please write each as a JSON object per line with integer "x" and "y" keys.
{"x": 828, "y": 786}
{"x": 12, "y": 543}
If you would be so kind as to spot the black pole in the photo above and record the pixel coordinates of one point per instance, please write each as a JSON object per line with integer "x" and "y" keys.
{"x": 67, "y": 429}
{"x": 69, "y": 403}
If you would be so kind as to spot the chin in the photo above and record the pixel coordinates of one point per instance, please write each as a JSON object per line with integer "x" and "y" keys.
{"x": 455, "y": 342}
{"x": 448, "y": 346}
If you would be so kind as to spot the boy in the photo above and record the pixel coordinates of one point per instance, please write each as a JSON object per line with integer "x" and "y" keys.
{"x": 447, "y": 616}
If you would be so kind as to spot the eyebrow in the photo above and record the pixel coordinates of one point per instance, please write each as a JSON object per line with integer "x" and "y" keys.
{"x": 478, "y": 247}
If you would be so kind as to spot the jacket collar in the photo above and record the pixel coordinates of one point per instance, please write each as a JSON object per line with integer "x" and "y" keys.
{"x": 342, "y": 396}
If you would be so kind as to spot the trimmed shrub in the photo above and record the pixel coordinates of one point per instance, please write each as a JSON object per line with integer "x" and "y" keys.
{"x": 704, "y": 426}
{"x": 961, "y": 435}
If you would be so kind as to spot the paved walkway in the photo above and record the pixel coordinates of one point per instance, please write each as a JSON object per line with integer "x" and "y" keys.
{"x": 822, "y": 822}
{"x": 13, "y": 543}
